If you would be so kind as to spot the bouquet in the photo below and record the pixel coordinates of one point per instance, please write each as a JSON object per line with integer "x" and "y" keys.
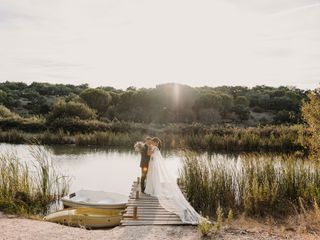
{"x": 138, "y": 146}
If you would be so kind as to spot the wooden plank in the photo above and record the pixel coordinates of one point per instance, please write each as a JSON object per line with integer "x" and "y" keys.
{"x": 139, "y": 223}
{"x": 146, "y": 221}
{"x": 144, "y": 200}
{"x": 142, "y": 205}
{"x": 139, "y": 204}
{"x": 162, "y": 213}
{"x": 150, "y": 213}
{"x": 143, "y": 196}
{"x": 149, "y": 210}
{"x": 151, "y": 224}
{"x": 152, "y": 216}
{"x": 150, "y": 221}
{"x": 139, "y": 217}
{"x": 142, "y": 218}
{"x": 131, "y": 203}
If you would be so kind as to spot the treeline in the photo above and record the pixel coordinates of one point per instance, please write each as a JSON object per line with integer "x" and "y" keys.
{"x": 183, "y": 117}
{"x": 167, "y": 103}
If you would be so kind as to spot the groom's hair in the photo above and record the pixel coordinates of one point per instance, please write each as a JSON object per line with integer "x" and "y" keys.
{"x": 148, "y": 138}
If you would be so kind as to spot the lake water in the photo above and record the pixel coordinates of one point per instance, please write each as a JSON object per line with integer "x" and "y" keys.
{"x": 93, "y": 168}
{"x": 109, "y": 169}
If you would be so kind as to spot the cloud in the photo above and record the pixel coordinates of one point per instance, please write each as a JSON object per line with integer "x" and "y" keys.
{"x": 143, "y": 43}
{"x": 297, "y": 9}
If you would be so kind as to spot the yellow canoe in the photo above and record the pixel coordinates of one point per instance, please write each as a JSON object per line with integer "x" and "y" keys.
{"x": 87, "y": 217}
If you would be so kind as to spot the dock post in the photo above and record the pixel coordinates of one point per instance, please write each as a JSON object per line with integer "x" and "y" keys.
{"x": 135, "y": 212}
{"x": 137, "y": 194}
{"x": 138, "y": 180}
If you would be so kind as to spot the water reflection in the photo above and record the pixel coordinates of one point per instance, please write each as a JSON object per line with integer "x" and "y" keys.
{"x": 76, "y": 150}
{"x": 107, "y": 169}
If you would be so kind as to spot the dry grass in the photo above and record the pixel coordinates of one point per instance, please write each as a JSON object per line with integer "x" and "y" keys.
{"x": 253, "y": 184}
{"x": 28, "y": 188}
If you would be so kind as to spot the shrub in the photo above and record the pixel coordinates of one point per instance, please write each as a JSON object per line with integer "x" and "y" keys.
{"x": 97, "y": 99}
{"x": 242, "y": 112}
{"x": 23, "y": 124}
{"x": 311, "y": 114}
{"x": 62, "y": 109}
{"x": 5, "y": 112}
{"x": 76, "y": 125}
{"x": 204, "y": 226}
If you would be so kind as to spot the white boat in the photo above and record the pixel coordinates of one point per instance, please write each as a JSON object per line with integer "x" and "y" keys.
{"x": 87, "y": 217}
{"x": 95, "y": 199}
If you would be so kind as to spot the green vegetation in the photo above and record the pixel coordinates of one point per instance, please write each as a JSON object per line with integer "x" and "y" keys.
{"x": 253, "y": 184}
{"x": 65, "y": 110}
{"x": 29, "y": 188}
{"x": 311, "y": 114}
{"x": 204, "y": 226}
{"x": 97, "y": 99}
{"x": 220, "y": 118}
{"x": 196, "y": 137}
{"x": 167, "y": 103}
{"x": 5, "y": 112}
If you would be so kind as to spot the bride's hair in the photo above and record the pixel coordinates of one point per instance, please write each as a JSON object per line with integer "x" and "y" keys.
{"x": 157, "y": 141}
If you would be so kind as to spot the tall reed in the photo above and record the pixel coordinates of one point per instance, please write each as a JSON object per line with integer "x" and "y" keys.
{"x": 29, "y": 187}
{"x": 196, "y": 137}
{"x": 254, "y": 184}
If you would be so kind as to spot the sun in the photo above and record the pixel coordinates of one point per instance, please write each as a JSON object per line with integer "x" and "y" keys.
{"x": 176, "y": 93}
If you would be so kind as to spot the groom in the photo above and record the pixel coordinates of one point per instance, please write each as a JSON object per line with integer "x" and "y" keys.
{"x": 144, "y": 163}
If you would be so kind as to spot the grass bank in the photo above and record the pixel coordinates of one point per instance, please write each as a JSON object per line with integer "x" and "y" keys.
{"x": 195, "y": 136}
{"x": 253, "y": 184}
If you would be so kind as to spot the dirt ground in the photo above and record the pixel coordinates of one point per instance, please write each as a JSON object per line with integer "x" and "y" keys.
{"x": 21, "y": 228}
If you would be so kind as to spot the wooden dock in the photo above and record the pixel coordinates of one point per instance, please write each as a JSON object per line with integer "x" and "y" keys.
{"x": 143, "y": 209}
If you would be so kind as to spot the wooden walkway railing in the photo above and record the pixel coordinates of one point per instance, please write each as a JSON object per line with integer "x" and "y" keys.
{"x": 143, "y": 209}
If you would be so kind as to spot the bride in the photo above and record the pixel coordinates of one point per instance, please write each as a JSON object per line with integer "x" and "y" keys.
{"x": 163, "y": 186}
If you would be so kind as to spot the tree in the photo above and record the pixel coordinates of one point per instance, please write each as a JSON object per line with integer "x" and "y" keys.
{"x": 226, "y": 104}
{"x": 3, "y": 96}
{"x": 97, "y": 99}
{"x": 242, "y": 112}
{"x": 311, "y": 115}
{"x": 242, "y": 100}
{"x": 284, "y": 116}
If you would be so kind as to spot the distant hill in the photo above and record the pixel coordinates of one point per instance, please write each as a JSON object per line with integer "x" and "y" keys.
{"x": 166, "y": 103}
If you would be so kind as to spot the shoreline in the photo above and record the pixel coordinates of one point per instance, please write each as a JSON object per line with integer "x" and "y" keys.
{"x": 274, "y": 138}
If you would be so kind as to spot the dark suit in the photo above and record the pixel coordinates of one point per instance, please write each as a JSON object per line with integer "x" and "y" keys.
{"x": 144, "y": 164}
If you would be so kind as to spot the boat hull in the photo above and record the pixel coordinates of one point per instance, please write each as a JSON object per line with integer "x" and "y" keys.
{"x": 95, "y": 199}
{"x": 87, "y": 217}
{"x": 73, "y": 204}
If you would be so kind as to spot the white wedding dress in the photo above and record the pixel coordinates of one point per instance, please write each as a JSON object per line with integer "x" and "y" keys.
{"x": 163, "y": 186}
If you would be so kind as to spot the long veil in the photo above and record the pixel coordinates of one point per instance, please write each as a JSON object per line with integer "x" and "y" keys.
{"x": 169, "y": 193}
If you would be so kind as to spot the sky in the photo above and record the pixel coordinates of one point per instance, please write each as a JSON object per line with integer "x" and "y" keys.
{"x": 143, "y": 43}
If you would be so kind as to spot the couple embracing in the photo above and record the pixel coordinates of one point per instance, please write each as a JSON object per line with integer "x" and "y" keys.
{"x": 156, "y": 181}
